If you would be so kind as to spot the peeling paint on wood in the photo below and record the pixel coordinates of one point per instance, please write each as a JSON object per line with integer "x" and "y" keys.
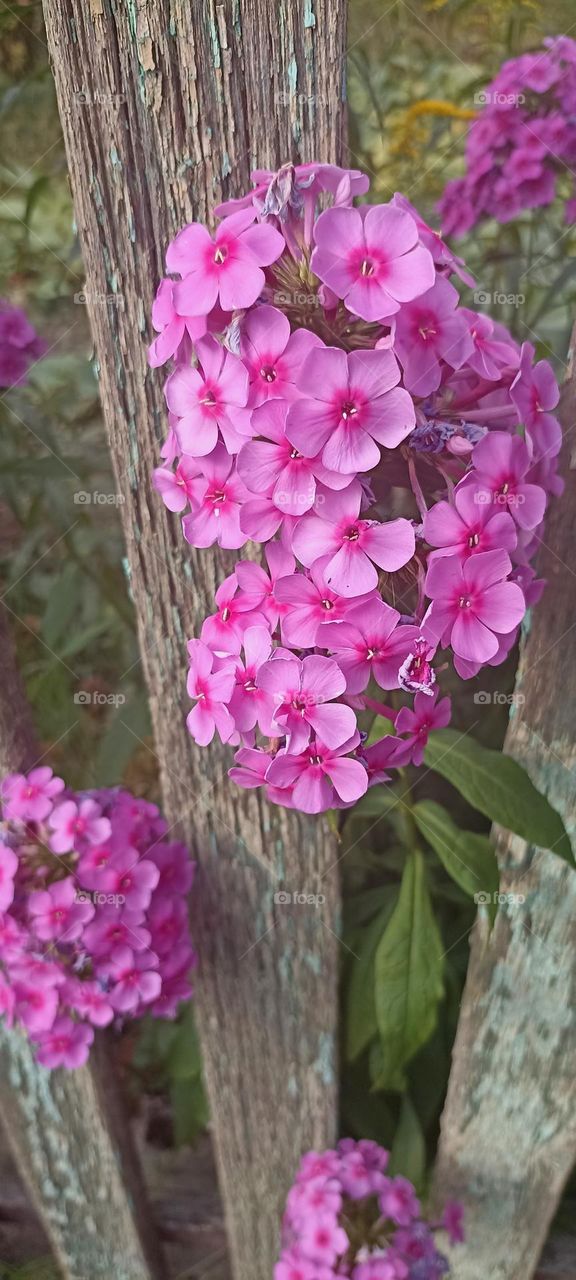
{"x": 215, "y": 103}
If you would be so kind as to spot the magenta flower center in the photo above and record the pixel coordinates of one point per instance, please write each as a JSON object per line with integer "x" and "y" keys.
{"x": 220, "y": 255}
{"x": 464, "y": 602}
{"x": 348, "y": 410}
{"x": 268, "y": 373}
{"x": 367, "y": 267}
{"x": 352, "y": 534}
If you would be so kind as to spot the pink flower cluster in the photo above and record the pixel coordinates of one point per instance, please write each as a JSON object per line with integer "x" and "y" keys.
{"x": 332, "y": 400}
{"x": 93, "y": 915}
{"x": 522, "y": 147}
{"x": 346, "y": 1217}
{"x": 20, "y": 345}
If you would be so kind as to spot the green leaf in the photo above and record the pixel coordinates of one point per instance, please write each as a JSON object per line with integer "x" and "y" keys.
{"x": 361, "y": 1024}
{"x": 408, "y": 1154}
{"x": 409, "y": 967}
{"x": 468, "y": 857}
{"x": 62, "y": 605}
{"x": 499, "y": 787}
{"x": 189, "y": 1110}
{"x": 128, "y": 727}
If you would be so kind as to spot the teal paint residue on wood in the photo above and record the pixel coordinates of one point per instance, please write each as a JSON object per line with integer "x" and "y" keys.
{"x": 226, "y": 166}
{"x": 312, "y": 960}
{"x": 324, "y": 1062}
{"x": 309, "y": 16}
{"x": 172, "y": 27}
{"x": 293, "y": 75}
{"x": 115, "y": 158}
{"x": 216, "y": 51}
{"x": 292, "y": 1087}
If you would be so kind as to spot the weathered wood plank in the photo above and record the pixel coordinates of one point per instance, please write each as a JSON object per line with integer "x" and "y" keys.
{"x": 67, "y": 1129}
{"x": 180, "y": 101}
{"x": 508, "y": 1138}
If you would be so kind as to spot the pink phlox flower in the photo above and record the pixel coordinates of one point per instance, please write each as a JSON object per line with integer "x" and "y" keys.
{"x": 320, "y": 777}
{"x": 175, "y": 866}
{"x": 134, "y": 977}
{"x": 428, "y": 714}
{"x": 216, "y": 500}
{"x": 302, "y": 694}
{"x": 370, "y": 643}
{"x": 416, "y": 674}
{"x": 354, "y": 546}
{"x": 273, "y": 467}
{"x": 225, "y": 269}
{"x": 535, "y": 393}
{"x": 381, "y": 1265}
{"x": 30, "y": 797}
{"x": 57, "y": 913}
{"x": 259, "y": 590}
{"x": 472, "y": 604}
{"x": 453, "y": 1221}
{"x": 273, "y": 354}
{"x": 209, "y": 400}
{"x": 372, "y": 258}
{"x": 322, "y": 1240}
{"x": 115, "y": 927}
{"x": 431, "y": 332}
{"x": 89, "y": 1000}
{"x": 172, "y": 329}
{"x": 132, "y": 878}
{"x": 501, "y": 462}
{"x": 176, "y": 487}
{"x": 211, "y": 691}
{"x": 74, "y": 823}
{"x": 8, "y": 869}
{"x": 223, "y": 632}
{"x": 308, "y": 602}
{"x": 65, "y": 1044}
{"x": 250, "y": 704}
{"x": 167, "y": 921}
{"x": 399, "y": 1201}
{"x": 469, "y": 525}
{"x": 351, "y": 404}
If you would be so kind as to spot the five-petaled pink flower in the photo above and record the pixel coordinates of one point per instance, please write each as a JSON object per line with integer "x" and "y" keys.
{"x": 431, "y": 330}
{"x": 303, "y": 692}
{"x": 469, "y": 525}
{"x": 216, "y": 501}
{"x": 71, "y": 822}
{"x": 273, "y": 354}
{"x": 428, "y": 714}
{"x": 370, "y": 643}
{"x": 351, "y": 404}
{"x": 212, "y": 691}
{"x": 320, "y": 776}
{"x": 472, "y": 604}
{"x": 227, "y": 268}
{"x": 372, "y": 258}
{"x": 501, "y": 462}
{"x": 353, "y": 545}
{"x": 209, "y": 399}
{"x": 59, "y": 912}
{"x": 66, "y": 1044}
